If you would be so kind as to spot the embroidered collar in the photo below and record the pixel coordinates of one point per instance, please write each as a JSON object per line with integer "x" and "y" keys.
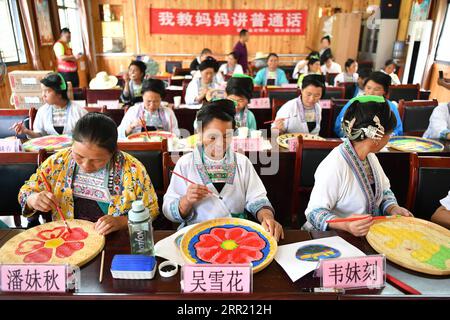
{"x": 161, "y": 114}
{"x": 301, "y": 111}
{"x": 227, "y": 166}
{"x": 241, "y": 118}
{"x": 357, "y": 167}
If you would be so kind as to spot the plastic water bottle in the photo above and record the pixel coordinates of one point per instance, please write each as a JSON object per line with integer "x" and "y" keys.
{"x": 140, "y": 228}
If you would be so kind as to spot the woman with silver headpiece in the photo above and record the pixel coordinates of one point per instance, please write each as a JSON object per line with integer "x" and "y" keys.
{"x": 350, "y": 181}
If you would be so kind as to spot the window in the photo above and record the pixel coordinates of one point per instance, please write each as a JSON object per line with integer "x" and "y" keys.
{"x": 12, "y": 47}
{"x": 69, "y": 17}
{"x": 443, "y": 48}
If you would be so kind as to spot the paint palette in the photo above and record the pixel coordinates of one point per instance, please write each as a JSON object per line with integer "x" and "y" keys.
{"x": 414, "y": 144}
{"x": 283, "y": 140}
{"x": 412, "y": 243}
{"x": 152, "y": 136}
{"x": 229, "y": 241}
{"x": 49, "y": 143}
{"x": 52, "y": 243}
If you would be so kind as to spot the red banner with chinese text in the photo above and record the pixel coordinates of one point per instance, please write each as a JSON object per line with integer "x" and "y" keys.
{"x": 228, "y": 22}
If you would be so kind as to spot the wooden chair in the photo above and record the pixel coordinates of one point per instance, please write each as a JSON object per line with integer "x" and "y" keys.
{"x": 309, "y": 155}
{"x": 10, "y": 116}
{"x": 415, "y": 116}
{"x": 92, "y": 96}
{"x": 182, "y": 72}
{"x": 276, "y": 105}
{"x": 334, "y": 92}
{"x": 169, "y": 162}
{"x": 407, "y": 92}
{"x": 349, "y": 89}
{"x": 79, "y": 93}
{"x": 115, "y": 114}
{"x": 336, "y": 107}
{"x": 428, "y": 183}
{"x": 282, "y": 93}
{"x": 15, "y": 169}
{"x": 171, "y": 65}
{"x": 329, "y": 78}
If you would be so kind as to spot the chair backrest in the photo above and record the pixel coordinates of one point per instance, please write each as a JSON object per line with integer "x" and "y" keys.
{"x": 150, "y": 154}
{"x": 79, "y": 94}
{"x": 334, "y": 92}
{"x": 283, "y": 94}
{"x": 336, "y": 107}
{"x": 276, "y": 105}
{"x": 115, "y": 114}
{"x": 15, "y": 169}
{"x": 429, "y": 182}
{"x": 92, "y": 96}
{"x": 407, "y": 92}
{"x": 10, "y": 116}
{"x": 309, "y": 154}
{"x": 415, "y": 116}
{"x": 329, "y": 78}
{"x": 171, "y": 65}
{"x": 349, "y": 88}
{"x": 365, "y": 65}
{"x": 169, "y": 162}
{"x": 181, "y": 72}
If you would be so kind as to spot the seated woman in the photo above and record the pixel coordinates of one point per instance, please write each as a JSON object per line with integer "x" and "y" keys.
{"x": 155, "y": 116}
{"x": 390, "y": 68}
{"x": 376, "y": 84}
{"x": 363, "y": 74}
{"x": 231, "y": 67}
{"x": 313, "y": 68}
{"x": 350, "y": 181}
{"x": 240, "y": 89}
{"x": 271, "y": 75}
{"x": 439, "y": 127}
{"x": 198, "y": 60}
{"x": 226, "y": 184}
{"x": 350, "y": 75}
{"x": 198, "y": 89}
{"x": 302, "y": 114}
{"x": 91, "y": 180}
{"x": 329, "y": 66}
{"x": 132, "y": 90}
{"x": 442, "y": 214}
{"x": 302, "y": 65}
{"x": 58, "y": 115}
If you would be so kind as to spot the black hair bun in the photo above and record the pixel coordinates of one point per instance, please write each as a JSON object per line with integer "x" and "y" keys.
{"x": 154, "y": 85}
{"x": 209, "y": 62}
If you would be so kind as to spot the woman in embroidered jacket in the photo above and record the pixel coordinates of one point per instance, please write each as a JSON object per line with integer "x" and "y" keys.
{"x": 155, "y": 116}
{"x": 271, "y": 75}
{"x": 302, "y": 114}
{"x": 226, "y": 184}
{"x": 58, "y": 115}
{"x": 92, "y": 180}
{"x": 133, "y": 80}
{"x": 201, "y": 87}
{"x": 439, "y": 126}
{"x": 240, "y": 89}
{"x": 350, "y": 181}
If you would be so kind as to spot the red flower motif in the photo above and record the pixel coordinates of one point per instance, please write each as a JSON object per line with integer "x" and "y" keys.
{"x": 233, "y": 245}
{"x": 40, "y": 250}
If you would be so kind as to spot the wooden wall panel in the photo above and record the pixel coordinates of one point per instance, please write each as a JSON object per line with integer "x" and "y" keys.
{"x": 438, "y": 92}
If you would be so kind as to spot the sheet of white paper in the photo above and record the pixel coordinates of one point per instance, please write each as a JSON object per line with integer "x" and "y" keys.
{"x": 296, "y": 268}
{"x": 166, "y": 248}
{"x": 190, "y": 106}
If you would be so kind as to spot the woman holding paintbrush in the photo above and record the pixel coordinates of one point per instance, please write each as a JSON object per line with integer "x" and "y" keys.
{"x": 150, "y": 114}
{"x": 302, "y": 114}
{"x": 91, "y": 180}
{"x": 213, "y": 181}
{"x": 350, "y": 182}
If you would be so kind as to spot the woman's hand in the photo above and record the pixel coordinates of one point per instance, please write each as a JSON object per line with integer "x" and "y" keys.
{"x": 43, "y": 201}
{"x": 269, "y": 224}
{"x": 196, "y": 193}
{"x": 279, "y": 124}
{"x": 397, "y": 210}
{"x": 135, "y": 124}
{"x": 107, "y": 224}
{"x": 20, "y": 128}
{"x": 358, "y": 228}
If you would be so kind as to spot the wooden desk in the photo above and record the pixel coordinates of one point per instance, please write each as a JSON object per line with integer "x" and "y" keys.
{"x": 272, "y": 283}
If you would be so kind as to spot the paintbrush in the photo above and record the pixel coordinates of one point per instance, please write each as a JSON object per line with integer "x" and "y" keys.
{"x": 267, "y": 122}
{"x": 58, "y": 209}
{"x": 190, "y": 181}
{"x": 361, "y": 218}
{"x": 144, "y": 124}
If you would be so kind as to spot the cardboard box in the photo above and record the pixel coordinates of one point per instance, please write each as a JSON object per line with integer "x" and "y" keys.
{"x": 27, "y": 100}
{"x": 26, "y": 81}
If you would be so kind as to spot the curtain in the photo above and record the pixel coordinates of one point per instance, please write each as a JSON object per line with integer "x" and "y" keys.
{"x": 439, "y": 8}
{"x": 30, "y": 33}
{"x": 84, "y": 21}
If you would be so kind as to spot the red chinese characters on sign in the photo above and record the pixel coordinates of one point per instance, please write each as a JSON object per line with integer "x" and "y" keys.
{"x": 226, "y": 22}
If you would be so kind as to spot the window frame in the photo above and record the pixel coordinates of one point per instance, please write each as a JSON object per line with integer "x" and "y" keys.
{"x": 15, "y": 21}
